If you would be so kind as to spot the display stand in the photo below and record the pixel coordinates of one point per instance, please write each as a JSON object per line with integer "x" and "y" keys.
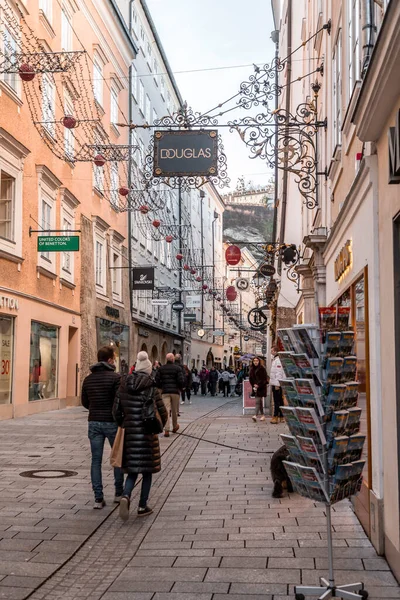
{"x": 318, "y": 412}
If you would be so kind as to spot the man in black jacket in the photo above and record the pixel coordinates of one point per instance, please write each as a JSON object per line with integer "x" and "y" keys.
{"x": 169, "y": 379}
{"x": 98, "y": 393}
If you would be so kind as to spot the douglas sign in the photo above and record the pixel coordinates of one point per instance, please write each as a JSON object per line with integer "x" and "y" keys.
{"x": 181, "y": 153}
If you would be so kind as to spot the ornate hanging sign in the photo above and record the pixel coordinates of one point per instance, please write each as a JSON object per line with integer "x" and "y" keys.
{"x": 185, "y": 153}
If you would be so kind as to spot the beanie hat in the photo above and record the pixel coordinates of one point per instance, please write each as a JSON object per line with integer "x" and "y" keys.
{"x": 142, "y": 363}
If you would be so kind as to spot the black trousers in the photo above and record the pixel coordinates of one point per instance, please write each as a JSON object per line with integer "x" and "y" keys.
{"x": 186, "y": 393}
{"x": 213, "y": 387}
{"x": 278, "y": 400}
{"x": 225, "y": 388}
{"x": 203, "y": 388}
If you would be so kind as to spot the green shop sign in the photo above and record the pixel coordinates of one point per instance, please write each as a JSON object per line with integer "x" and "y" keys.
{"x": 54, "y": 243}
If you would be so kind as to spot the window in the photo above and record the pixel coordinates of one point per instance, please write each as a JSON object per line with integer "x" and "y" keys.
{"x": 354, "y": 59}
{"x": 149, "y": 53}
{"x": 155, "y": 116}
{"x": 7, "y": 206}
{"x": 134, "y": 83}
{"x": 99, "y": 263}
{"x": 69, "y": 138}
{"x": 10, "y": 48}
{"x": 46, "y": 223}
{"x": 142, "y": 98}
{"x": 337, "y": 92}
{"x": 7, "y": 358}
{"x": 43, "y": 363}
{"x": 114, "y": 107}
{"x": 98, "y": 80}
{"x": 46, "y": 7}
{"x": 48, "y": 104}
{"x": 114, "y": 176}
{"x": 141, "y": 151}
{"x": 116, "y": 274}
{"x": 135, "y": 21}
{"x": 155, "y": 68}
{"x": 169, "y": 103}
{"x": 98, "y": 179}
{"x": 148, "y": 110}
{"x": 67, "y": 226}
{"x": 66, "y": 31}
{"x": 142, "y": 37}
{"x": 162, "y": 86}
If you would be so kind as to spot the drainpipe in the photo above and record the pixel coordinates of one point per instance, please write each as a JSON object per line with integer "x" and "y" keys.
{"x": 368, "y": 33}
{"x": 129, "y": 174}
{"x": 287, "y": 108}
{"x": 275, "y": 39}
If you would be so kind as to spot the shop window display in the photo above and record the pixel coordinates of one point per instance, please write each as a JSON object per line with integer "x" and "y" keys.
{"x": 110, "y": 333}
{"x": 43, "y": 364}
{"x": 6, "y": 358}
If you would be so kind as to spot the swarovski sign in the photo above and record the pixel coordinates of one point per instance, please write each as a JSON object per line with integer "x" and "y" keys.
{"x": 185, "y": 153}
{"x": 143, "y": 278}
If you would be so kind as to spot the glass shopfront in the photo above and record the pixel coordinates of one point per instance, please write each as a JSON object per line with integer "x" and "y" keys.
{"x": 110, "y": 333}
{"x": 43, "y": 364}
{"x": 6, "y": 358}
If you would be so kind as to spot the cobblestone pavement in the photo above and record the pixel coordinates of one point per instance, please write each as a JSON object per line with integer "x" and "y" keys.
{"x": 215, "y": 532}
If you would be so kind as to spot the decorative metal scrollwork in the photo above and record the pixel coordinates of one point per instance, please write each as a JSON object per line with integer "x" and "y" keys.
{"x": 261, "y": 87}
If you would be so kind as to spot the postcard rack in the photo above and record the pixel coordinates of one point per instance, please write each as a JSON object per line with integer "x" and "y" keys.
{"x": 325, "y": 444}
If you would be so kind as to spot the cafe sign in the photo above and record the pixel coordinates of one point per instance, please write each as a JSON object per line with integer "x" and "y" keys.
{"x": 185, "y": 153}
{"x": 344, "y": 261}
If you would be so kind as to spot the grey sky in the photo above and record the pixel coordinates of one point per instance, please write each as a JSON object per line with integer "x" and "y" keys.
{"x": 201, "y": 34}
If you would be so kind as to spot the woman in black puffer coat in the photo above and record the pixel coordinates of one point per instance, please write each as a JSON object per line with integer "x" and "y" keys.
{"x": 141, "y": 450}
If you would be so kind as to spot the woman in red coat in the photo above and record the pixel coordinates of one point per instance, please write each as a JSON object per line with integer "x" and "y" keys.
{"x": 259, "y": 381}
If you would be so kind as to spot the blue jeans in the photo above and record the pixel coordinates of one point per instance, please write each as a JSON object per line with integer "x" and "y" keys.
{"x": 145, "y": 491}
{"x": 98, "y": 433}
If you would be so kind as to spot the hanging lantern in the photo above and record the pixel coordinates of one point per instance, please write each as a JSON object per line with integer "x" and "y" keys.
{"x": 186, "y": 267}
{"x": 198, "y": 278}
{"x": 26, "y": 72}
{"x": 123, "y": 191}
{"x": 99, "y": 160}
{"x": 231, "y": 293}
{"x": 179, "y": 257}
{"x": 69, "y": 122}
{"x": 156, "y": 223}
{"x": 169, "y": 238}
{"x": 233, "y": 255}
{"x": 144, "y": 209}
{"x": 193, "y": 271}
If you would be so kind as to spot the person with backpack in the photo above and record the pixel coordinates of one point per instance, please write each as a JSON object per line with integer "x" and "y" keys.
{"x": 141, "y": 452}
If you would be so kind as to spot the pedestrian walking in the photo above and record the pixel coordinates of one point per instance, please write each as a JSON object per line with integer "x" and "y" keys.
{"x": 169, "y": 379}
{"x": 259, "y": 381}
{"x": 225, "y": 382}
{"x": 232, "y": 382}
{"x": 204, "y": 376}
{"x": 141, "y": 454}
{"x": 195, "y": 381}
{"x": 213, "y": 380}
{"x": 187, "y": 382}
{"x": 276, "y": 375}
{"x": 98, "y": 394}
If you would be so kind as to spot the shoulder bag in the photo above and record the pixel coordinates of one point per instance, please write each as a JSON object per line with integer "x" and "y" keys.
{"x": 150, "y": 416}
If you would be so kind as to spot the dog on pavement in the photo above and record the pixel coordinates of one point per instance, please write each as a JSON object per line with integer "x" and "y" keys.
{"x": 279, "y": 474}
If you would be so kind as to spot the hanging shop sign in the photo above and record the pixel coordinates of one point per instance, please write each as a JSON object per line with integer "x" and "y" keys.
{"x": 159, "y": 302}
{"x": 201, "y": 333}
{"x": 112, "y": 312}
{"x": 55, "y": 243}
{"x": 183, "y": 153}
{"x": 267, "y": 270}
{"x": 344, "y": 261}
{"x": 178, "y": 306}
{"x": 143, "y": 278}
{"x": 218, "y": 333}
{"x": 246, "y": 338}
{"x": 193, "y": 301}
{"x": 189, "y": 317}
{"x": 233, "y": 254}
{"x": 242, "y": 284}
{"x": 231, "y": 293}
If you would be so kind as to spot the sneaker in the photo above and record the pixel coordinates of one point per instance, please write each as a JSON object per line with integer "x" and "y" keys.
{"x": 117, "y": 498}
{"x": 124, "y": 508}
{"x": 182, "y": 402}
{"x": 254, "y": 418}
{"x": 281, "y": 419}
{"x": 190, "y": 402}
{"x": 143, "y": 512}
{"x": 166, "y": 433}
{"x": 175, "y": 429}
{"x": 274, "y": 420}
{"x": 262, "y": 418}
{"x": 98, "y": 504}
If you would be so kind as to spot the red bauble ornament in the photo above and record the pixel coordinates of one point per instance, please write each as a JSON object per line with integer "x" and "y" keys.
{"x": 233, "y": 255}
{"x": 99, "y": 160}
{"x": 144, "y": 209}
{"x": 156, "y": 223}
{"x": 186, "y": 267}
{"x": 26, "y": 72}
{"x": 205, "y": 286}
{"x": 193, "y": 271}
{"x": 69, "y": 122}
{"x": 179, "y": 257}
{"x": 231, "y": 293}
{"x": 123, "y": 191}
{"x": 169, "y": 238}
{"x": 198, "y": 278}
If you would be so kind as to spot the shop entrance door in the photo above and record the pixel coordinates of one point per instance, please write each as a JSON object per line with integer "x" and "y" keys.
{"x": 73, "y": 363}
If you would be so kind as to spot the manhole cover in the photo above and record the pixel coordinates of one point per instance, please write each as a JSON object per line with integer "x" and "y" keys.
{"x": 51, "y": 474}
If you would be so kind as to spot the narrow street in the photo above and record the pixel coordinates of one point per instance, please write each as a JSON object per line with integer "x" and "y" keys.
{"x": 215, "y": 532}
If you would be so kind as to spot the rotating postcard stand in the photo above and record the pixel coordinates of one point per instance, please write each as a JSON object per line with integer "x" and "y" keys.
{"x": 325, "y": 445}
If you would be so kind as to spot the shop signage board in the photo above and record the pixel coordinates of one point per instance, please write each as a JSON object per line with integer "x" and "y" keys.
{"x": 143, "y": 278}
{"x": 242, "y": 284}
{"x": 178, "y": 306}
{"x": 193, "y": 301}
{"x": 246, "y": 338}
{"x": 112, "y": 312}
{"x": 218, "y": 333}
{"x": 185, "y": 153}
{"x": 159, "y": 302}
{"x": 58, "y": 243}
{"x": 9, "y": 302}
{"x": 189, "y": 317}
{"x": 343, "y": 261}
